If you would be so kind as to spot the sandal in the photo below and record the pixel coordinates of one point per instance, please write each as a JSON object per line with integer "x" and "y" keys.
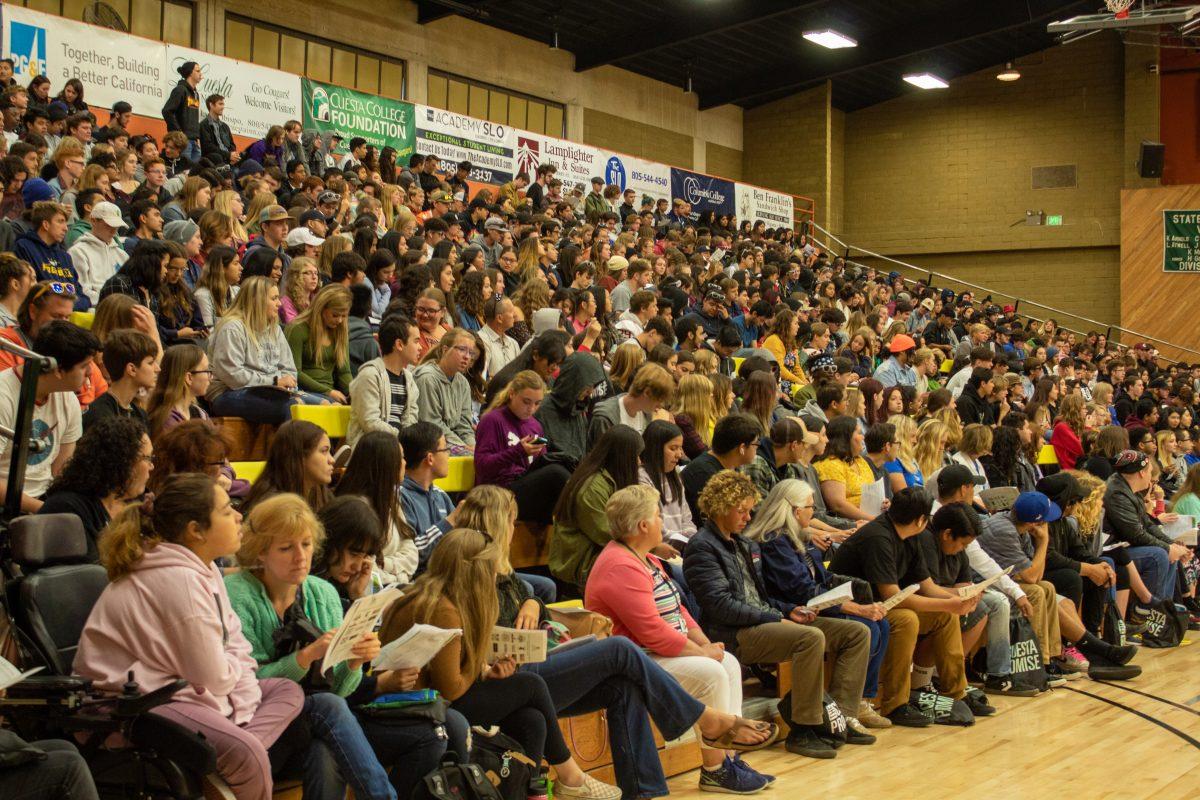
{"x": 729, "y": 740}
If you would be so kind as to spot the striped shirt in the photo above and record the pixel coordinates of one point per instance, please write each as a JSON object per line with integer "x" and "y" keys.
{"x": 667, "y": 600}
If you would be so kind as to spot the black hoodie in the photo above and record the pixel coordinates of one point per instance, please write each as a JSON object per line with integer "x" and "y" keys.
{"x": 564, "y": 424}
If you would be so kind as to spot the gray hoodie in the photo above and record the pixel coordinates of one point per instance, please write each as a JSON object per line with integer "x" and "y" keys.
{"x": 446, "y": 402}
{"x": 371, "y": 401}
{"x": 813, "y": 410}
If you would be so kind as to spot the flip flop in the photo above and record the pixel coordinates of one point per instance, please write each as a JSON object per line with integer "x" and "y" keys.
{"x": 729, "y": 740}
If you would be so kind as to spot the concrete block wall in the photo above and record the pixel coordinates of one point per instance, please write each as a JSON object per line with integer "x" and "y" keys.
{"x": 787, "y": 146}
{"x": 723, "y": 161}
{"x": 624, "y": 135}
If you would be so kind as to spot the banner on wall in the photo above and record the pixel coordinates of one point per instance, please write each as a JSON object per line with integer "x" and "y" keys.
{"x": 577, "y": 163}
{"x": 382, "y": 121}
{"x": 647, "y": 178}
{"x": 704, "y": 192}
{"x": 1181, "y": 241}
{"x": 755, "y": 203}
{"x": 489, "y": 146}
{"x": 255, "y": 97}
{"x": 111, "y": 65}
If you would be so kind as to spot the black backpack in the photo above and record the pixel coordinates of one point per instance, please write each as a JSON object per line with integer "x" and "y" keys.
{"x": 454, "y": 781}
{"x": 1026, "y": 653}
{"x": 833, "y": 722}
{"x": 1112, "y": 627}
{"x": 504, "y": 764}
{"x": 1166, "y": 625}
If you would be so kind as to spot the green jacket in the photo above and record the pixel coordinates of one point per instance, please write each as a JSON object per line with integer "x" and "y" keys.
{"x": 574, "y": 548}
{"x": 312, "y": 378}
{"x": 323, "y": 608}
{"x": 78, "y": 228}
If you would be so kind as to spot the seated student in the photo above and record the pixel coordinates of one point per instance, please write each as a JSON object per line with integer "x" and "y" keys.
{"x": 254, "y": 375}
{"x": 298, "y": 461}
{"x": 109, "y": 469}
{"x": 735, "y": 443}
{"x": 455, "y": 592}
{"x": 272, "y": 592}
{"x": 793, "y": 569}
{"x": 218, "y": 285}
{"x": 142, "y": 275}
{"x": 660, "y": 471}
{"x": 376, "y": 472}
{"x": 828, "y": 527}
{"x": 884, "y": 552}
{"x": 57, "y": 421}
{"x": 975, "y": 443}
{"x": 167, "y": 615}
{"x": 777, "y": 452}
{"x": 178, "y": 314}
{"x": 320, "y": 342}
{"x": 508, "y": 446}
{"x": 544, "y": 353}
{"x": 562, "y": 413}
{"x": 445, "y": 390}
{"x": 652, "y": 388}
{"x": 363, "y": 347}
{"x": 724, "y": 571}
{"x": 183, "y": 378}
{"x": 1020, "y": 539}
{"x": 630, "y": 586}
{"x": 580, "y": 527}
{"x": 131, "y": 358}
{"x": 612, "y": 674}
{"x": 842, "y": 469}
{"x": 41, "y": 247}
{"x": 384, "y": 396}
{"x": 426, "y": 507}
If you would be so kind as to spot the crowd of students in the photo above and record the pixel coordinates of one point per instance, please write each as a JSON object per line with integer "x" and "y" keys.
{"x": 708, "y": 443}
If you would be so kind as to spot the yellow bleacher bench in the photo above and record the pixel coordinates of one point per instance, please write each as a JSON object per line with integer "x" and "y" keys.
{"x": 737, "y": 364}
{"x": 334, "y": 420}
{"x": 248, "y": 470}
{"x": 83, "y": 319}
{"x": 947, "y": 365}
{"x": 1046, "y": 456}
{"x": 461, "y": 477}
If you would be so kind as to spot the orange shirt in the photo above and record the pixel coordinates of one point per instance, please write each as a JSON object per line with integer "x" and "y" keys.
{"x": 94, "y": 384}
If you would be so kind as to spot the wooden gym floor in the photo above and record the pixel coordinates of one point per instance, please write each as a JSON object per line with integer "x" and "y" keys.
{"x": 1099, "y": 741}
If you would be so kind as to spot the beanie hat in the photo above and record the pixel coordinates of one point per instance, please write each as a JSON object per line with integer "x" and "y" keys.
{"x": 185, "y": 69}
{"x": 36, "y": 190}
{"x": 249, "y": 167}
{"x": 180, "y": 230}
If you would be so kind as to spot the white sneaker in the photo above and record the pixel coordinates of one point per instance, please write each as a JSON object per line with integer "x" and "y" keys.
{"x": 590, "y": 789}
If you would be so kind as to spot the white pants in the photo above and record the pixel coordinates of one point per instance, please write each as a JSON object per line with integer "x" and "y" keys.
{"x": 716, "y": 684}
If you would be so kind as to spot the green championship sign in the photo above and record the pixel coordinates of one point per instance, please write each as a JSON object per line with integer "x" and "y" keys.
{"x": 1181, "y": 241}
{"x": 381, "y": 121}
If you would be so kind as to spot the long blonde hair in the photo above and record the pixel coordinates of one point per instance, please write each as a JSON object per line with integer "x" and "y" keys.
{"x": 251, "y": 307}
{"x": 695, "y": 398}
{"x": 192, "y": 186}
{"x": 932, "y": 438}
{"x": 626, "y": 361}
{"x": 949, "y": 417}
{"x": 389, "y": 208}
{"x": 491, "y": 509}
{"x": 525, "y": 379}
{"x": 177, "y": 361}
{"x": 291, "y": 282}
{"x": 1089, "y": 511}
{"x": 906, "y": 452}
{"x": 183, "y": 499}
{"x": 223, "y": 203}
{"x": 254, "y": 208}
{"x": 334, "y": 297}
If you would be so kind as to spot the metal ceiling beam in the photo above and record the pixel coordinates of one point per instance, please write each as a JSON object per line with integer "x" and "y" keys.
{"x": 688, "y": 26}
{"x": 923, "y": 36}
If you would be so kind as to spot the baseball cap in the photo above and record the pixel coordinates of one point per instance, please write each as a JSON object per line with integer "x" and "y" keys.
{"x": 901, "y": 343}
{"x": 597, "y": 180}
{"x": 1035, "y": 507}
{"x": 440, "y": 196}
{"x": 273, "y": 214}
{"x": 927, "y": 304}
{"x": 328, "y": 198}
{"x": 954, "y": 477}
{"x": 109, "y": 214}
{"x": 495, "y": 224}
{"x": 617, "y": 263}
{"x": 1062, "y": 488}
{"x": 1142, "y": 346}
{"x": 302, "y": 235}
{"x": 1130, "y": 462}
{"x": 311, "y": 215}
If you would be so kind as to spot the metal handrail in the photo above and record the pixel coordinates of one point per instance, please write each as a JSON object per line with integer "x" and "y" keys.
{"x": 1017, "y": 299}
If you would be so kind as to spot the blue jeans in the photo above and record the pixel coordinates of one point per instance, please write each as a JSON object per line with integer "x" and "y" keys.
{"x": 259, "y": 405}
{"x": 1156, "y": 569}
{"x": 343, "y": 743}
{"x": 192, "y": 151}
{"x": 880, "y": 631}
{"x": 615, "y": 675}
{"x": 540, "y": 586}
{"x": 995, "y": 606}
{"x": 410, "y": 748}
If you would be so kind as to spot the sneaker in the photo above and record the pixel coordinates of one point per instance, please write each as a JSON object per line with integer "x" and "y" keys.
{"x": 590, "y": 789}
{"x": 539, "y": 789}
{"x": 1102, "y": 669}
{"x": 1004, "y": 684}
{"x": 977, "y": 701}
{"x": 731, "y": 780}
{"x": 868, "y": 716}
{"x": 856, "y": 732}
{"x": 1054, "y": 675}
{"x": 342, "y": 457}
{"x": 1072, "y": 656}
{"x": 738, "y": 763}
{"x": 803, "y": 741}
{"x": 908, "y": 717}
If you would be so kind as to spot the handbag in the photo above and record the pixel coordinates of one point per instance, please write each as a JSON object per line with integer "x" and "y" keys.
{"x": 1166, "y": 625}
{"x": 421, "y": 705}
{"x": 581, "y": 622}
{"x": 1026, "y": 654}
{"x": 1112, "y": 627}
{"x": 504, "y": 763}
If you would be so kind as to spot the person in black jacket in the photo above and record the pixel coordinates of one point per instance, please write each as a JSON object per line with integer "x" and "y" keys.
{"x": 724, "y": 571}
{"x": 216, "y": 140}
{"x": 973, "y": 405}
{"x": 182, "y": 109}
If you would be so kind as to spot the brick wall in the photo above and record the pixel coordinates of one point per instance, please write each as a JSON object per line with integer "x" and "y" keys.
{"x": 786, "y": 146}
{"x": 636, "y": 138}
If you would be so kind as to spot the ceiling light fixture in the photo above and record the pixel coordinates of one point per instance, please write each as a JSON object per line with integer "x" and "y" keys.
{"x": 1009, "y": 74}
{"x": 926, "y": 80}
{"x": 830, "y": 38}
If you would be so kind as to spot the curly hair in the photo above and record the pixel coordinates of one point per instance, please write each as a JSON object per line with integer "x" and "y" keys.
{"x": 725, "y": 491}
{"x": 104, "y": 459}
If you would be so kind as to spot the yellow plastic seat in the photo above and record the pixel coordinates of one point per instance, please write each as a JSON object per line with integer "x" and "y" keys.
{"x": 83, "y": 319}
{"x": 461, "y": 477}
{"x": 947, "y": 365}
{"x": 1046, "y": 455}
{"x": 334, "y": 420}
{"x": 248, "y": 470}
{"x": 737, "y": 364}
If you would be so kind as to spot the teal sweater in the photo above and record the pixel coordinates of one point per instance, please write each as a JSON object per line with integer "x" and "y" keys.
{"x": 323, "y": 608}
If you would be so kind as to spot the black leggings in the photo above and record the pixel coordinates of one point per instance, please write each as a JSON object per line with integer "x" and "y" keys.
{"x": 521, "y": 706}
{"x": 537, "y": 491}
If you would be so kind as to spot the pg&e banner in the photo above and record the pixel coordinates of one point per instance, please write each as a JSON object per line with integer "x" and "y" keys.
{"x": 381, "y": 121}
{"x": 704, "y": 192}
{"x": 255, "y": 97}
{"x": 755, "y": 203}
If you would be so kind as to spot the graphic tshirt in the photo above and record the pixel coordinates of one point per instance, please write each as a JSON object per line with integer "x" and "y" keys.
{"x": 56, "y": 422}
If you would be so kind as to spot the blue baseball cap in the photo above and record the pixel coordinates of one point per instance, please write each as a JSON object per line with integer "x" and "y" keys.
{"x": 1035, "y": 507}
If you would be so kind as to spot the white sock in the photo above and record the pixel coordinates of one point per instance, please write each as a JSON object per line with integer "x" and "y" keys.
{"x": 921, "y": 676}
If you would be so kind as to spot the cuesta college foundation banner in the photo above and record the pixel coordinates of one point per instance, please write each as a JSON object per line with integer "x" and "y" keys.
{"x": 383, "y": 122}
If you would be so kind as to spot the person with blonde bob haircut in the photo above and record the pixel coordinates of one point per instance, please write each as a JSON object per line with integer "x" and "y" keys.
{"x": 976, "y": 442}
{"x": 320, "y": 342}
{"x": 930, "y": 452}
{"x": 631, "y": 586}
{"x": 695, "y": 413}
{"x": 904, "y": 470}
{"x": 300, "y": 285}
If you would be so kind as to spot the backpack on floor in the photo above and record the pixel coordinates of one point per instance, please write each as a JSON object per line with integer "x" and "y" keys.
{"x": 941, "y": 709}
{"x": 1026, "y": 654}
{"x": 454, "y": 781}
{"x": 1112, "y": 627}
{"x": 833, "y": 722}
{"x": 1166, "y": 625}
{"x": 504, "y": 763}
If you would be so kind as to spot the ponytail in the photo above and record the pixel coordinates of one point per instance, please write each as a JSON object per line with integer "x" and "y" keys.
{"x": 125, "y": 540}
{"x": 184, "y": 498}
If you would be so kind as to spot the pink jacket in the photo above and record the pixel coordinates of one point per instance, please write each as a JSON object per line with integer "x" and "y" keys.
{"x": 171, "y": 618}
{"x": 620, "y": 588}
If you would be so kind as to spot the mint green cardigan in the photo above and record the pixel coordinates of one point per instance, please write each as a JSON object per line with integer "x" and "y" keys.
{"x": 322, "y": 606}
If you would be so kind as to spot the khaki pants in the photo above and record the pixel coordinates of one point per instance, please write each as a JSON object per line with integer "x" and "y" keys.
{"x": 805, "y": 646}
{"x": 1044, "y": 600}
{"x": 906, "y": 625}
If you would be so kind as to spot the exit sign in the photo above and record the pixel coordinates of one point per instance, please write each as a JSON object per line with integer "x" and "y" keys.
{"x": 1054, "y": 219}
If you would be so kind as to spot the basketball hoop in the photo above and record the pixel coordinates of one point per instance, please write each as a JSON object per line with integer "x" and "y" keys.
{"x": 1119, "y": 8}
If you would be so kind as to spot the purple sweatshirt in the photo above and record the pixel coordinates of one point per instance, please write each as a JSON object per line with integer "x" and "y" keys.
{"x": 499, "y": 457}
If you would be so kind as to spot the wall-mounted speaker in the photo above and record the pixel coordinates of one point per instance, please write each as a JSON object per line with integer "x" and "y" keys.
{"x": 1150, "y": 159}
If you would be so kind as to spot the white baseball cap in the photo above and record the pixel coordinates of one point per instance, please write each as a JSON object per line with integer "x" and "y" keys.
{"x": 303, "y": 235}
{"x": 109, "y": 214}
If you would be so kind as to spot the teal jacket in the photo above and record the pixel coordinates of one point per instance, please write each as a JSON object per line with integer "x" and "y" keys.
{"x": 323, "y": 608}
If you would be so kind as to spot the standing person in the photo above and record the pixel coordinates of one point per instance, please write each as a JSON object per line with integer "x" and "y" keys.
{"x": 445, "y": 390}
{"x": 182, "y": 109}
{"x": 167, "y": 613}
{"x": 320, "y": 343}
{"x": 384, "y": 396}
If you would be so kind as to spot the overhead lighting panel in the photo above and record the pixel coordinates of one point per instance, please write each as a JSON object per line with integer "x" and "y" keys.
{"x": 1009, "y": 74}
{"x": 830, "y": 39}
{"x": 926, "y": 80}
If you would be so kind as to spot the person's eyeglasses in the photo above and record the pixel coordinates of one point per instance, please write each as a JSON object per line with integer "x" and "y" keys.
{"x": 200, "y": 372}
{"x": 465, "y": 350}
{"x": 426, "y": 310}
{"x": 442, "y": 450}
{"x": 78, "y": 162}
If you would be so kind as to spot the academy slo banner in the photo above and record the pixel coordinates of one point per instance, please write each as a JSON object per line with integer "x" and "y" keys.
{"x": 255, "y": 97}
{"x": 489, "y": 146}
{"x": 756, "y": 204}
{"x": 383, "y": 122}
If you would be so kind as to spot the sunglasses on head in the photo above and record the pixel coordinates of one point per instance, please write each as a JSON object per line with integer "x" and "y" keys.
{"x": 61, "y": 289}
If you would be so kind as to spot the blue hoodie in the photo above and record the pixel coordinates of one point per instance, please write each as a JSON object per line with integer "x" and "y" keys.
{"x": 50, "y": 263}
